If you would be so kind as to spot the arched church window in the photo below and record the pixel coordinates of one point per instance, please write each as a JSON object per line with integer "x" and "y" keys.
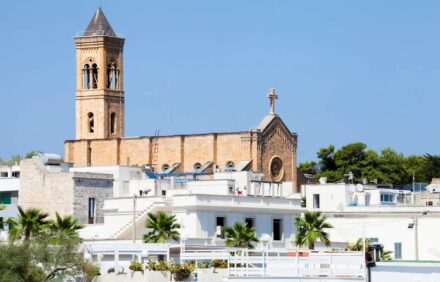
{"x": 230, "y": 166}
{"x": 112, "y": 76}
{"x": 91, "y": 120}
{"x": 165, "y": 168}
{"x": 197, "y": 166}
{"x": 95, "y": 76}
{"x": 86, "y": 76}
{"x": 113, "y": 123}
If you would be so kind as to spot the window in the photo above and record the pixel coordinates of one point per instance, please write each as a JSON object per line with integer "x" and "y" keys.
{"x": 91, "y": 213}
{"x": 1, "y": 223}
{"x": 276, "y": 169}
{"x": 398, "y": 250}
{"x": 94, "y": 76}
{"x": 220, "y": 222}
{"x": 429, "y": 203}
{"x": 230, "y": 166}
{"x": 89, "y": 157}
{"x": 86, "y": 76}
{"x": 112, "y": 76}
{"x": 5, "y": 198}
{"x": 113, "y": 123}
{"x": 388, "y": 198}
{"x": 277, "y": 233}
{"x": 4, "y": 174}
{"x": 197, "y": 166}
{"x": 316, "y": 203}
{"x": 250, "y": 222}
{"x": 16, "y": 174}
{"x": 91, "y": 119}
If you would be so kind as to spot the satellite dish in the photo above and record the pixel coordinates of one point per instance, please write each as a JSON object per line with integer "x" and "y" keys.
{"x": 352, "y": 188}
{"x": 359, "y": 187}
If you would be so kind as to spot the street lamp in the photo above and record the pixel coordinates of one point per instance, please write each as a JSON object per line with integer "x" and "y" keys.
{"x": 265, "y": 239}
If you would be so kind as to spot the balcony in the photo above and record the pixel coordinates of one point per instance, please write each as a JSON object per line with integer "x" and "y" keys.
{"x": 9, "y": 184}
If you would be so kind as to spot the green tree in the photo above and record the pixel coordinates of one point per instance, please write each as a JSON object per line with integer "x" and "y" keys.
{"x": 311, "y": 228}
{"x": 351, "y": 158}
{"x": 67, "y": 224}
{"x": 163, "y": 228}
{"x": 414, "y": 165}
{"x": 309, "y": 167}
{"x": 431, "y": 166}
{"x": 325, "y": 155}
{"x": 30, "y": 223}
{"x": 240, "y": 235}
{"x": 392, "y": 167}
{"x": 45, "y": 257}
{"x": 15, "y": 159}
{"x": 17, "y": 264}
{"x": 32, "y": 153}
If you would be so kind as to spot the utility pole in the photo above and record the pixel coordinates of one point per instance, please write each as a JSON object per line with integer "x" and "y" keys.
{"x": 416, "y": 236}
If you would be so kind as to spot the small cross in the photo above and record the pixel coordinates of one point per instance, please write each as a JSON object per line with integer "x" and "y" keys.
{"x": 272, "y": 95}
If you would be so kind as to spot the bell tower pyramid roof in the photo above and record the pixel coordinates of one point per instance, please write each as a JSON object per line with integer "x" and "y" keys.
{"x": 99, "y": 25}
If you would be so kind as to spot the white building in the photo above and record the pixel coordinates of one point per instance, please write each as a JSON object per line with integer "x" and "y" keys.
{"x": 385, "y": 216}
{"x": 9, "y": 189}
{"x": 204, "y": 205}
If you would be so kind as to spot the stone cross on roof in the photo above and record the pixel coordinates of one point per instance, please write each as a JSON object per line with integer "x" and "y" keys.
{"x": 272, "y": 95}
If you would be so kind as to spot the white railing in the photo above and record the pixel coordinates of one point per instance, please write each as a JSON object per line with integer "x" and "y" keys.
{"x": 244, "y": 202}
{"x": 284, "y": 264}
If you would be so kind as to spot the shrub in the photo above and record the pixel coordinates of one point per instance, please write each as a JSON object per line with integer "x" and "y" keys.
{"x": 135, "y": 266}
{"x": 158, "y": 265}
{"x": 182, "y": 271}
{"x": 202, "y": 265}
{"x": 90, "y": 271}
{"x": 219, "y": 263}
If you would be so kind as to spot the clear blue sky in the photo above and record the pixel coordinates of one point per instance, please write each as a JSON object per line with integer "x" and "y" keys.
{"x": 345, "y": 71}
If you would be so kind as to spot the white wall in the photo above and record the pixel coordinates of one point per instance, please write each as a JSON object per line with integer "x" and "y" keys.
{"x": 202, "y": 225}
{"x": 406, "y": 272}
{"x": 390, "y": 230}
{"x": 332, "y": 197}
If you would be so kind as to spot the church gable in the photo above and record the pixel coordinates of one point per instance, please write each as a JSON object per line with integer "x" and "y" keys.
{"x": 278, "y": 130}
{"x": 278, "y": 151}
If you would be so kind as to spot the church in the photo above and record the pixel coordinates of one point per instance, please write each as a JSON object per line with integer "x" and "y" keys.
{"x": 269, "y": 148}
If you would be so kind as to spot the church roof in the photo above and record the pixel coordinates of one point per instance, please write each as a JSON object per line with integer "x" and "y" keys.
{"x": 99, "y": 25}
{"x": 265, "y": 121}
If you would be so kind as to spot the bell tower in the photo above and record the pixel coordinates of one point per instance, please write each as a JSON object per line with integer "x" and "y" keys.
{"x": 99, "y": 81}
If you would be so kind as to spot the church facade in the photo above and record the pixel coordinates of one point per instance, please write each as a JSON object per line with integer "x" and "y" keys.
{"x": 269, "y": 148}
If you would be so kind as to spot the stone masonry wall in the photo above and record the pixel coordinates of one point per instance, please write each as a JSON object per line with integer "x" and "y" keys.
{"x": 87, "y": 187}
{"x": 49, "y": 191}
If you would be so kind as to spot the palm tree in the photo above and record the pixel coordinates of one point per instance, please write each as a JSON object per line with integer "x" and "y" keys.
{"x": 240, "y": 235}
{"x": 385, "y": 255}
{"x": 163, "y": 228}
{"x": 311, "y": 228}
{"x": 67, "y": 224}
{"x": 30, "y": 223}
{"x": 357, "y": 246}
